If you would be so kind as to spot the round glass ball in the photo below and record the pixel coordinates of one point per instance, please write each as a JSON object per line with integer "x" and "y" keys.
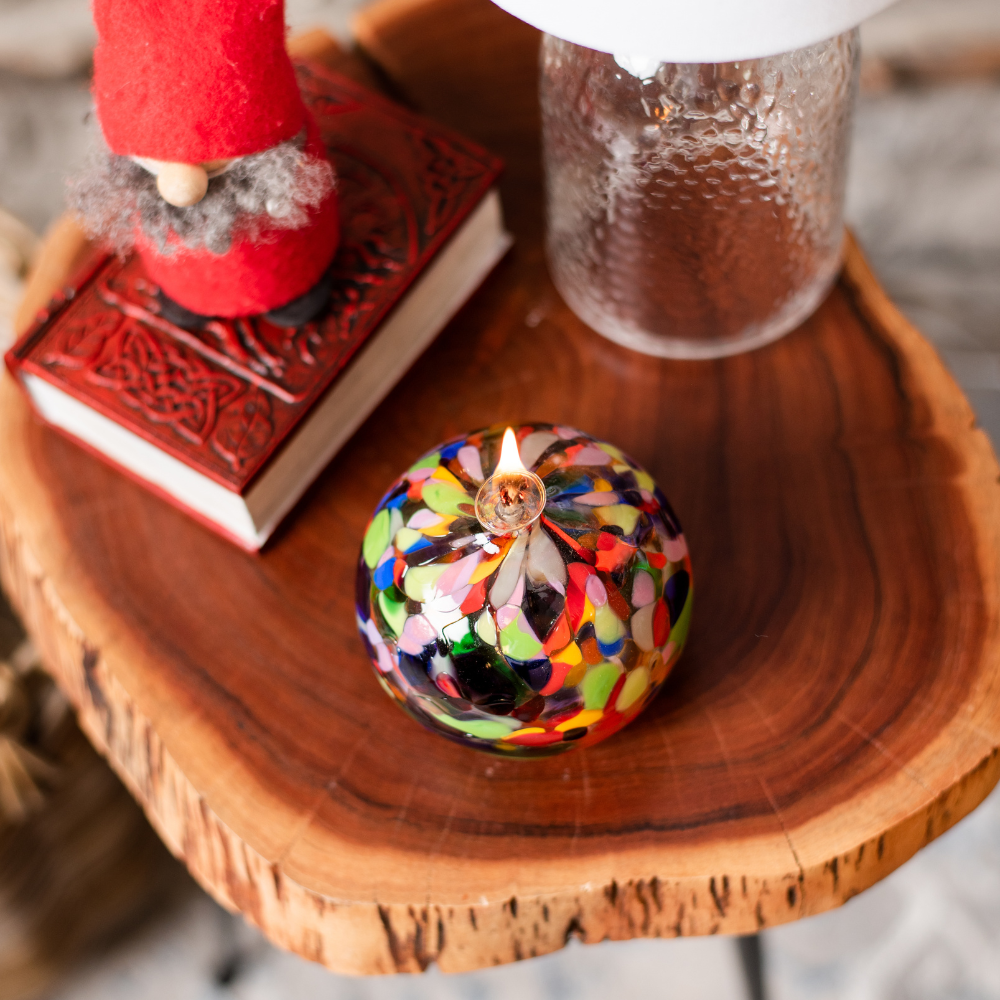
{"x": 531, "y": 642}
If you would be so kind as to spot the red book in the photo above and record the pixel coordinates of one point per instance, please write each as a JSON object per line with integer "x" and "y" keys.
{"x": 233, "y": 422}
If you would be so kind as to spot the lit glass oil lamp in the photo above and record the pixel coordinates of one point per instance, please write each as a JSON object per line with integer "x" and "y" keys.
{"x": 531, "y": 610}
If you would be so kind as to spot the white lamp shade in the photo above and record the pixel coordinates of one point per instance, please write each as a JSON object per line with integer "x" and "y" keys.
{"x": 694, "y": 31}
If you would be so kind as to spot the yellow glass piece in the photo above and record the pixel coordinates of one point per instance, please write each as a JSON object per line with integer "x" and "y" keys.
{"x": 440, "y": 527}
{"x": 644, "y": 480}
{"x": 571, "y": 655}
{"x": 486, "y": 567}
{"x": 486, "y": 629}
{"x": 622, "y": 514}
{"x": 442, "y": 474}
{"x": 524, "y": 732}
{"x": 602, "y": 486}
{"x": 576, "y": 675}
{"x": 633, "y": 689}
{"x": 585, "y": 718}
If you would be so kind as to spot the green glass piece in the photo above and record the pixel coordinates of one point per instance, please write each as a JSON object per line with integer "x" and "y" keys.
{"x": 444, "y": 498}
{"x": 485, "y": 729}
{"x": 420, "y": 582}
{"x": 430, "y": 462}
{"x": 462, "y": 639}
{"x": 599, "y": 683}
{"x": 395, "y": 521}
{"x": 376, "y": 539}
{"x": 558, "y": 481}
{"x": 679, "y": 633}
{"x": 519, "y": 645}
{"x": 406, "y": 538}
{"x": 467, "y": 644}
{"x": 608, "y": 627}
{"x": 569, "y": 519}
{"x": 394, "y": 613}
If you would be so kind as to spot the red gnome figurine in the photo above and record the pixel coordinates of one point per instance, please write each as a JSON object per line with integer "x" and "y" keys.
{"x": 213, "y": 169}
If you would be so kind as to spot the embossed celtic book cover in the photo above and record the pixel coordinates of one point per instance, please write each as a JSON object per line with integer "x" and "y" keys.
{"x": 421, "y": 227}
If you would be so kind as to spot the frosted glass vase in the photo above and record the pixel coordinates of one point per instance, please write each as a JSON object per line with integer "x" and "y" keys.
{"x": 696, "y": 210}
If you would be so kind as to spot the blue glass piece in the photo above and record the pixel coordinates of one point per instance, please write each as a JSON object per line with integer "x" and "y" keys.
{"x": 382, "y": 577}
{"x": 421, "y": 543}
{"x": 611, "y": 648}
{"x": 676, "y": 592}
{"x": 536, "y": 673}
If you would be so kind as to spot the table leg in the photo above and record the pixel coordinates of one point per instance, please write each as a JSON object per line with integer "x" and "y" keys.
{"x": 752, "y": 960}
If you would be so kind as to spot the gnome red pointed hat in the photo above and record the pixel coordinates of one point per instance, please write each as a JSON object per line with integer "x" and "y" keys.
{"x": 192, "y": 81}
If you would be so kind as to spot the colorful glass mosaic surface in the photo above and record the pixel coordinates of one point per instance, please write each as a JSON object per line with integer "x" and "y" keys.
{"x": 525, "y": 644}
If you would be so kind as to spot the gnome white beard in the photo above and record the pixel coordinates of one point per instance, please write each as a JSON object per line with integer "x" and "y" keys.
{"x": 274, "y": 189}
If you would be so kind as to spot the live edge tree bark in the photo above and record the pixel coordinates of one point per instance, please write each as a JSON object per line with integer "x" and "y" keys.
{"x": 838, "y": 706}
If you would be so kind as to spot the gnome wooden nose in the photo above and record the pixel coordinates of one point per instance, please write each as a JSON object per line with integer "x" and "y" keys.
{"x": 182, "y": 184}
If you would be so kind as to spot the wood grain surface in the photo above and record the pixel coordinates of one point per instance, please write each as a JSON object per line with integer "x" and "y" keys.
{"x": 837, "y": 708}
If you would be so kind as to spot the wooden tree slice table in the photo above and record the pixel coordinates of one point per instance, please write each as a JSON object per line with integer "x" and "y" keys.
{"x": 838, "y": 706}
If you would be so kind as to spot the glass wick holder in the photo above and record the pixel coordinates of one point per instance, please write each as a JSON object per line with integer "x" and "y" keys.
{"x": 513, "y": 498}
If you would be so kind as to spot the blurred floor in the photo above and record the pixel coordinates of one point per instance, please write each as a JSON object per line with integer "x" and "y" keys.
{"x": 924, "y": 199}
{"x": 200, "y": 952}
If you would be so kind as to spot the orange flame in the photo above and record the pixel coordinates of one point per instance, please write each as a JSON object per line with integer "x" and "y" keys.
{"x": 510, "y": 458}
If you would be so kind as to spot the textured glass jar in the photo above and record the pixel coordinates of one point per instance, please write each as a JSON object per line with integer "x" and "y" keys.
{"x": 696, "y": 210}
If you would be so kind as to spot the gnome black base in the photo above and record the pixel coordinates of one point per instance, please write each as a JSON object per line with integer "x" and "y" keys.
{"x": 298, "y": 312}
